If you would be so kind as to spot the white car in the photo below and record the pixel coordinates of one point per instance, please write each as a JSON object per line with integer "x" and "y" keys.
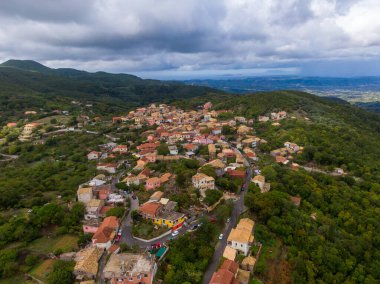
{"x": 220, "y": 236}
{"x": 175, "y": 233}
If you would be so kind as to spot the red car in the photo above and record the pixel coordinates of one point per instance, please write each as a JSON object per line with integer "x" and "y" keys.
{"x": 117, "y": 239}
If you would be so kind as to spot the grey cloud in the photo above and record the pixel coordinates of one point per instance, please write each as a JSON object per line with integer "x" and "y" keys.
{"x": 117, "y": 35}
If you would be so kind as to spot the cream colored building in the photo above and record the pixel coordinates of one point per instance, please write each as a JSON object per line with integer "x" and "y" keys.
{"x": 241, "y": 237}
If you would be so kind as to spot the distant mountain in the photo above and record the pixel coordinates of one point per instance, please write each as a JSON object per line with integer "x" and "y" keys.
{"x": 29, "y": 84}
{"x": 356, "y": 89}
{"x": 27, "y": 65}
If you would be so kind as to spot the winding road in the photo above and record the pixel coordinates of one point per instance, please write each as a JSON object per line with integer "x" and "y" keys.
{"x": 238, "y": 209}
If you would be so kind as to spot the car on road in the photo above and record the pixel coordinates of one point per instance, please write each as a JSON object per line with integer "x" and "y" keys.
{"x": 228, "y": 220}
{"x": 220, "y": 236}
{"x": 119, "y": 232}
{"x": 134, "y": 197}
{"x": 117, "y": 238}
{"x": 175, "y": 233}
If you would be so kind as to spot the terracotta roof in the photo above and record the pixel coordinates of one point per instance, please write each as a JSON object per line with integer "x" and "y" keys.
{"x": 150, "y": 208}
{"x": 243, "y": 231}
{"x": 87, "y": 260}
{"x": 217, "y": 163}
{"x": 230, "y": 266}
{"x": 229, "y": 253}
{"x": 104, "y": 209}
{"x": 106, "y": 231}
{"x": 84, "y": 190}
{"x": 157, "y": 195}
{"x": 249, "y": 260}
{"x": 259, "y": 178}
{"x": 200, "y": 176}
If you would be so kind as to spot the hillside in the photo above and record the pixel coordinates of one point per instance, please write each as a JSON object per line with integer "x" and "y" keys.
{"x": 29, "y": 85}
{"x": 332, "y": 237}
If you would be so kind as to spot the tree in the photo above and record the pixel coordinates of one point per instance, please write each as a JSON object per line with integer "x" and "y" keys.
{"x": 180, "y": 179}
{"x": 49, "y": 214}
{"x": 208, "y": 170}
{"x": 135, "y": 215}
{"x": 163, "y": 149}
{"x": 116, "y": 211}
{"x": 62, "y": 273}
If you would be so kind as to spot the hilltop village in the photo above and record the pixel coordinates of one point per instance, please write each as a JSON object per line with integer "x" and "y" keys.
{"x": 184, "y": 171}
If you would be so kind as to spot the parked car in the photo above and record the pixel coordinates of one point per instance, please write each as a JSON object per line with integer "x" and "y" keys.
{"x": 175, "y": 233}
{"x": 117, "y": 238}
{"x": 156, "y": 245}
{"x": 134, "y": 197}
{"x": 228, "y": 220}
{"x": 220, "y": 236}
{"x": 119, "y": 232}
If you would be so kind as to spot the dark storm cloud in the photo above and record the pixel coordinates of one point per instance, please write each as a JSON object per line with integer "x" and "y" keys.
{"x": 189, "y": 35}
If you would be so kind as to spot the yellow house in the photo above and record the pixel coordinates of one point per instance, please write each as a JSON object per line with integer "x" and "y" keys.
{"x": 169, "y": 219}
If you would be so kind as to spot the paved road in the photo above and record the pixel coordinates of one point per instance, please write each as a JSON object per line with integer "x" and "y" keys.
{"x": 127, "y": 237}
{"x": 221, "y": 245}
{"x": 8, "y": 157}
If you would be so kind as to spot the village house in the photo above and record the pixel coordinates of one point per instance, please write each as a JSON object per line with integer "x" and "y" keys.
{"x": 292, "y": 147}
{"x": 229, "y": 253}
{"x": 282, "y": 160}
{"x": 226, "y": 274}
{"x": 236, "y": 173}
{"x": 240, "y": 119}
{"x": 250, "y": 153}
{"x": 152, "y": 183}
{"x": 278, "y": 115}
{"x": 107, "y": 167}
{"x": 27, "y": 131}
{"x": 248, "y": 263}
{"x": 263, "y": 118}
{"x": 218, "y": 166}
{"x": 156, "y": 196}
{"x": 86, "y": 263}
{"x": 203, "y": 182}
{"x": 151, "y": 157}
{"x": 11, "y": 124}
{"x": 84, "y": 194}
{"x": 91, "y": 226}
{"x": 211, "y": 151}
{"x": 243, "y": 129}
{"x": 141, "y": 163}
{"x": 94, "y": 155}
{"x": 93, "y": 208}
{"x": 128, "y": 268}
{"x": 134, "y": 180}
{"x": 120, "y": 149}
{"x": 173, "y": 150}
{"x": 296, "y": 200}
{"x": 190, "y": 147}
{"x": 150, "y": 147}
{"x": 156, "y": 182}
{"x": 207, "y": 106}
{"x": 241, "y": 237}
{"x": 259, "y": 180}
{"x": 150, "y": 210}
{"x": 106, "y": 232}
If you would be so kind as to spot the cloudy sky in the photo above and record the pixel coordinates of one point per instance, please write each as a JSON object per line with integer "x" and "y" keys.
{"x": 196, "y": 38}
